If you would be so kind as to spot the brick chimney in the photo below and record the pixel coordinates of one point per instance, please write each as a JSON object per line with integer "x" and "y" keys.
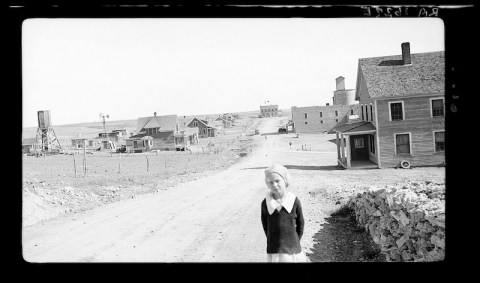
{"x": 406, "y": 57}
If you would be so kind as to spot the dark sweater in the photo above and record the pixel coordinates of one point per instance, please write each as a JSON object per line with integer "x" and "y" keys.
{"x": 283, "y": 230}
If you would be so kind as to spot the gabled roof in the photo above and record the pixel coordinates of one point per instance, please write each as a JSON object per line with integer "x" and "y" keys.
{"x": 352, "y": 128}
{"x": 388, "y": 77}
{"x": 203, "y": 122}
{"x": 165, "y": 123}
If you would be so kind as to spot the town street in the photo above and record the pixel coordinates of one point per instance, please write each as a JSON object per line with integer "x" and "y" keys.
{"x": 213, "y": 219}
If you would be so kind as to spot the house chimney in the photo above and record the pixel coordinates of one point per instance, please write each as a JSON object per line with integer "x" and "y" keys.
{"x": 406, "y": 57}
{"x": 340, "y": 83}
{"x": 155, "y": 114}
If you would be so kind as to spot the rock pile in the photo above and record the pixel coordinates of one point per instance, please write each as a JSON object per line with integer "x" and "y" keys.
{"x": 407, "y": 222}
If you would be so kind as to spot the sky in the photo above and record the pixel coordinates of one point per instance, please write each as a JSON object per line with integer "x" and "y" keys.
{"x": 130, "y": 68}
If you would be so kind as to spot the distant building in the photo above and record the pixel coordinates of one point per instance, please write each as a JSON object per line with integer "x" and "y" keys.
{"x": 115, "y": 135}
{"x": 162, "y": 133}
{"x": 79, "y": 142}
{"x": 269, "y": 110}
{"x": 402, "y": 112}
{"x": 321, "y": 119}
{"x": 205, "y": 129}
{"x": 29, "y": 145}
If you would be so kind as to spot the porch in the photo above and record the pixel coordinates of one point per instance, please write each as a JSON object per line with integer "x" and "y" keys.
{"x": 353, "y": 143}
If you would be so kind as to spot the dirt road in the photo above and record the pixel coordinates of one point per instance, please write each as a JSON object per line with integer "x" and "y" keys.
{"x": 213, "y": 219}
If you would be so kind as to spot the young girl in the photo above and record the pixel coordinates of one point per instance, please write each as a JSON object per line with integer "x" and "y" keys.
{"x": 282, "y": 218}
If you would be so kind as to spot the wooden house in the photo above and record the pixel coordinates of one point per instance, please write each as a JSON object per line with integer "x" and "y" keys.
{"x": 402, "y": 113}
{"x": 165, "y": 134}
{"x": 79, "y": 142}
{"x": 115, "y": 135}
{"x": 205, "y": 130}
{"x": 28, "y": 145}
{"x": 139, "y": 144}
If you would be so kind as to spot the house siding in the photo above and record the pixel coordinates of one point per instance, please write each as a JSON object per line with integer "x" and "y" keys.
{"x": 373, "y": 156}
{"x": 419, "y": 123}
{"x": 161, "y": 144}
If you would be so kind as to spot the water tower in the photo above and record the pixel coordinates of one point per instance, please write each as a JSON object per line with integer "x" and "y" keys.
{"x": 46, "y": 139}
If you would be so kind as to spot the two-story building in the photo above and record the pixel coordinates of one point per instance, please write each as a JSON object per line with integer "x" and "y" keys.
{"x": 321, "y": 119}
{"x": 402, "y": 113}
{"x": 269, "y": 110}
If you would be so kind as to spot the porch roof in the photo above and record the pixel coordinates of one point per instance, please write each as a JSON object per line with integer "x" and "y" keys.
{"x": 354, "y": 128}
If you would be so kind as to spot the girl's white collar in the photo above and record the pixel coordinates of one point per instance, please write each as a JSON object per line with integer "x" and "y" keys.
{"x": 287, "y": 202}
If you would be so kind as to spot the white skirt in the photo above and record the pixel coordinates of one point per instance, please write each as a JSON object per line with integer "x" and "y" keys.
{"x": 281, "y": 257}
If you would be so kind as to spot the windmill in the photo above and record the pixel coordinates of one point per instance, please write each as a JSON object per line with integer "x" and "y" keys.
{"x": 106, "y": 144}
{"x": 46, "y": 139}
{"x": 103, "y": 116}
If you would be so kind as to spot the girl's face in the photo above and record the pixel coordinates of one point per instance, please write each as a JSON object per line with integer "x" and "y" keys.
{"x": 276, "y": 184}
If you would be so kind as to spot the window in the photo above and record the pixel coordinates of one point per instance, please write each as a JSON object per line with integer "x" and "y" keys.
{"x": 204, "y": 131}
{"x": 361, "y": 106}
{"x": 351, "y": 111}
{"x": 437, "y": 108}
{"x": 366, "y": 112}
{"x": 321, "y": 121}
{"x": 195, "y": 123}
{"x": 306, "y": 123}
{"x": 396, "y": 111}
{"x": 336, "y": 120}
{"x": 305, "y": 115}
{"x": 358, "y": 143}
{"x": 336, "y": 113}
{"x": 402, "y": 144}
{"x": 135, "y": 144}
{"x": 372, "y": 143}
{"x": 371, "y": 111}
{"x": 439, "y": 139}
{"x": 321, "y": 115}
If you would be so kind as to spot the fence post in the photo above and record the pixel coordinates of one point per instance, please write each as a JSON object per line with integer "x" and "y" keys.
{"x": 74, "y": 165}
{"x": 148, "y": 165}
{"x": 84, "y": 158}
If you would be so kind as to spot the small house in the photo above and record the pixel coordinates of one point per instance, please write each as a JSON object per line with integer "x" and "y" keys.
{"x": 139, "y": 144}
{"x": 29, "y": 145}
{"x": 205, "y": 130}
